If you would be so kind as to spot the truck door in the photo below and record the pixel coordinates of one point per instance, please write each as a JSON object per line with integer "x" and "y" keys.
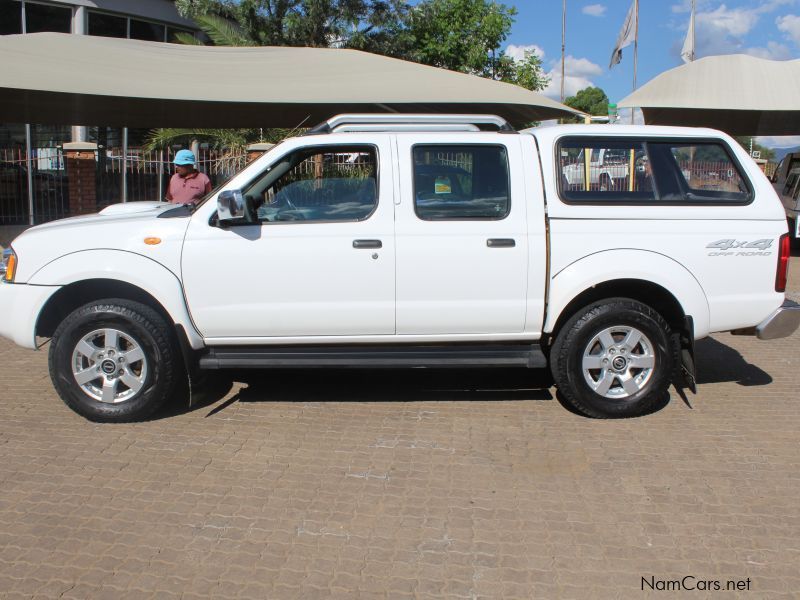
{"x": 461, "y": 235}
{"x": 320, "y": 262}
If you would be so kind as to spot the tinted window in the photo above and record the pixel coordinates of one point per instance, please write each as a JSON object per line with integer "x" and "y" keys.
{"x": 697, "y": 172}
{"x": 460, "y": 182}
{"x": 617, "y": 171}
{"x": 320, "y": 184}
{"x": 790, "y": 181}
{"x": 108, "y": 25}
{"x": 44, "y": 17}
{"x": 144, "y": 30}
{"x": 10, "y": 17}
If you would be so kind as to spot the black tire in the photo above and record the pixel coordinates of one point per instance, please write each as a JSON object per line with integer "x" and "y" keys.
{"x": 157, "y": 372}
{"x": 605, "y": 183}
{"x": 572, "y": 347}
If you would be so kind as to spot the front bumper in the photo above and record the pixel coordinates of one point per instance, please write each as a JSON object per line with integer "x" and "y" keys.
{"x": 20, "y": 306}
{"x": 781, "y": 323}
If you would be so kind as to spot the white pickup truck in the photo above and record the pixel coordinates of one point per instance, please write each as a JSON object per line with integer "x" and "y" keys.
{"x": 414, "y": 241}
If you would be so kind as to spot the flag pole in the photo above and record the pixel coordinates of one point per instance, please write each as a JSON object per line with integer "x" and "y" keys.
{"x": 693, "y": 24}
{"x": 563, "y": 44}
{"x": 635, "y": 49}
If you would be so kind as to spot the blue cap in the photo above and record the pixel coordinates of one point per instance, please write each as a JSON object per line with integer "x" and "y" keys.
{"x": 184, "y": 157}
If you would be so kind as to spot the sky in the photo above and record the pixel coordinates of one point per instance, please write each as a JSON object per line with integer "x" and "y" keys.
{"x": 764, "y": 28}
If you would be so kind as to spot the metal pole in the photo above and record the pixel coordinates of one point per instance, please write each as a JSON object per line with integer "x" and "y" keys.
{"x": 635, "y": 49}
{"x": 693, "y": 33}
{"x": 124, "y": 164}
{"x": 161, "y": 174}
{"x": 563, "y": 44}
{"x": 29, "y": 167}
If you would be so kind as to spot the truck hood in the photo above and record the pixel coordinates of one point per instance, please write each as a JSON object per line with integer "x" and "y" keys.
{"x": 119, "y": 227}
{"x": 111, "y": 213}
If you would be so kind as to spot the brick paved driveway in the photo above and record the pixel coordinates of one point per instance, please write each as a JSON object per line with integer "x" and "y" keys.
{"x": 362, "y": 485}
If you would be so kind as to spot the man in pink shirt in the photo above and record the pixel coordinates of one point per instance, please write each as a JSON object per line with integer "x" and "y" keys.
{"x": 187, "y": 185}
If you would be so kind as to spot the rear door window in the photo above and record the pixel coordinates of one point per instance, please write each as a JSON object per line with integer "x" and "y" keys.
{"x": 461, "y": 182}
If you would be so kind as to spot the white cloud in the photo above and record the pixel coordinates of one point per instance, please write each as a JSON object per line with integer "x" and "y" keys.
{"x": 625, "y": 116}
{"x": 518, "y": 52}
{"x": 772, "y": 51}
{"x": 722, "y": 30}
{"x": 779, "y": 141}
{"x": 790, "y": 26}
{"x": 594, "y": 10}
{"x": 578, "y": 73}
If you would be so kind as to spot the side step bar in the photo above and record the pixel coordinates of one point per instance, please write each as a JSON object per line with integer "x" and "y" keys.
{"x": 380, "y": 357}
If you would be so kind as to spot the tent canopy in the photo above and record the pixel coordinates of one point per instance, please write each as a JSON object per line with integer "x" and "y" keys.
{"x": 76, "y": 79}
{"x": 738, "y": 93}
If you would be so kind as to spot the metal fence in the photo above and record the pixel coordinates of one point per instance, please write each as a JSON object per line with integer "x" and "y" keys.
{"x": 144, "y": 175}
{"x": 139, "y": 175}
{"x": 45, "y": 174}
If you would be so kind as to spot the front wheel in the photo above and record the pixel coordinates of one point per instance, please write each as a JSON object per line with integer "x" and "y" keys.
{"x": 114, "y": 361}
{"x": 613, "y": 359}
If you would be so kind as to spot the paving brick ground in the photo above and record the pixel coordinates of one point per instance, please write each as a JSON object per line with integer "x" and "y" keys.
{"x": 401, "y": 485}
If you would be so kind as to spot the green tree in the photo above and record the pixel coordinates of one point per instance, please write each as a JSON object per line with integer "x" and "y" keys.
{"x": 460, "y": 35}
{"x": 372, "y": 25}
{"x": 527, "y": 72}
{"x": 766, "y": 153}
{"x": 591, "y": 100}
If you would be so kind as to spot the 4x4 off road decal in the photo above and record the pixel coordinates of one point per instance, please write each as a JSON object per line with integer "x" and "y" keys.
{"x": 740, "y": 248}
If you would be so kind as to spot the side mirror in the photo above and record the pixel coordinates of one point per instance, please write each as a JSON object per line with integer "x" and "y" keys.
{"x": 233, "y": 208}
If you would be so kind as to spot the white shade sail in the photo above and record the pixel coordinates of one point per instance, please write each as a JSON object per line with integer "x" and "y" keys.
{"x": 76, "y": 79}
{"x": 738, "y": 93}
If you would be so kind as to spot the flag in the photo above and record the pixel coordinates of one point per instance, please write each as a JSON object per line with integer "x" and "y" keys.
{"x": 687, "y": 52}
{"x": 626, "y": 35}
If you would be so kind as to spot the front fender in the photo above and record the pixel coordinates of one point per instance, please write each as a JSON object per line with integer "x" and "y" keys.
{"x": 645, "y": 265}
{"x": 135, "y": 269}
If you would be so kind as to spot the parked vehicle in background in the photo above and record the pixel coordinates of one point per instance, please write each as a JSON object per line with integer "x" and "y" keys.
{"x": 608, "y": 168}
{"x": 787, "y": 185}
{"x": 452, "y": 241}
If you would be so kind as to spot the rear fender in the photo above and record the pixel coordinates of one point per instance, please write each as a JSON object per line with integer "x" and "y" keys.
{"x": 627, "y": 264}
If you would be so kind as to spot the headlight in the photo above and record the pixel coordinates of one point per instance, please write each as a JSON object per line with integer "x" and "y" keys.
{"x": 9, "y": 265}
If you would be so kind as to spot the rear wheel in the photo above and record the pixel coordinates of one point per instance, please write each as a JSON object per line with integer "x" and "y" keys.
{"x": 613, "y": 359}
{"x": 114, "y": 361}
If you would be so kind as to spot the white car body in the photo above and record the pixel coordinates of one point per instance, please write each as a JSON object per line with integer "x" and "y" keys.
{"x": 295, "y": 283}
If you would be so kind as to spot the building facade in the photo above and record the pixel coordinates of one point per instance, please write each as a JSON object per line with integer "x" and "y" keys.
{"x": 34, "y": 184}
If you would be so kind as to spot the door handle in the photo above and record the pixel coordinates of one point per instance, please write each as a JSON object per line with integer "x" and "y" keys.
{"x": 501, "y": 243}
{"x": 367, "y": 244}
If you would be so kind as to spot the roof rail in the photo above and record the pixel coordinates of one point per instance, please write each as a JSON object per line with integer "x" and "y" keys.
{"x": 408, "y": 122}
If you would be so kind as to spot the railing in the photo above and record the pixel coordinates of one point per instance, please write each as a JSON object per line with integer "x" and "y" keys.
{"x": 147, "y": 173}
{"x": 146, "y": 176}
{"x": 48, "y": 179}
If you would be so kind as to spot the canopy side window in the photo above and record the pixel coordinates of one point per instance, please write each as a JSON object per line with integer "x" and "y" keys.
{"x": 618, "y": 171}
{"x": 705, "y": 172}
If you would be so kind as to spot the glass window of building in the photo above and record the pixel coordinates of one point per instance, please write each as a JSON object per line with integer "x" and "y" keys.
{"x": 10, "y": 17}
{"x": 47, "y": 17}
{"x": 145, "y": 30}
{"x": 107, "y": 25}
